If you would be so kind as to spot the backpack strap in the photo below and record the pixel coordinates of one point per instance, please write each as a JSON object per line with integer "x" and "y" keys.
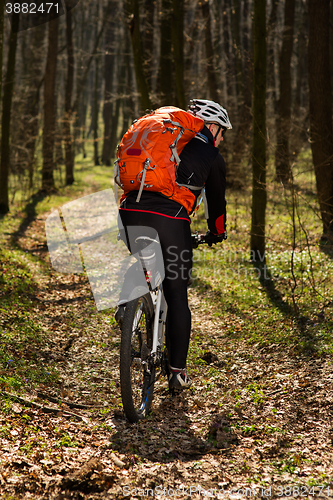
{"x": 201, "y": 137}
{"x": 173, "y": 146}
{"x": 144, "y": 171}
{"x": 195, "y": 188}
{"x": 204, "y": 197}
{"x": 116, "y": 179}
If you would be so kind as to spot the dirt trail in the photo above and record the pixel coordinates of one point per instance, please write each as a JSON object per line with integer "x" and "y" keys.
{"x": 256, "y": 418}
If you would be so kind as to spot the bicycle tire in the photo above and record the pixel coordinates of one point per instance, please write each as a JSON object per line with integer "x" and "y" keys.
{"x": 136, "y": 381}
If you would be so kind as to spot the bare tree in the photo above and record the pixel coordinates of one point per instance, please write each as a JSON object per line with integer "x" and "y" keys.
{"x": 50, "y": 106}
{"x": 166, "y": 64}
{"x": 211, "y": 75}
{"x": 133, "y": 12}
{"x": 283, "y": 122}
{"x": 259, "y": 195}
{"x": 95, "y": 111}
{"x": 298, "y": 133}
{"x": 109, "y": 67}
{"x": 148, "y": 39}
{"x": 177, "y": 28}
{"x": 321, "y": 108}
{"x": 68, "y": 137}
{"x": 82, "y": 76}
{"x": 2, "y": 16}
{"x": 226, "y": 6}
{"x": 31, "y": 120}
{"x": 8, "y": 89}
{"x": 271, "y": 36}
{"x": 243, "y": 86}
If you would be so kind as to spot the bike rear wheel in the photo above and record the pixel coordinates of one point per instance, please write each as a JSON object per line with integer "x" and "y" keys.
{"x": 137, "y": 372}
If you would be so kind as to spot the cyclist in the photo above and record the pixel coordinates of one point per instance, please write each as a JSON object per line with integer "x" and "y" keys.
{"x": 201, "y": 165}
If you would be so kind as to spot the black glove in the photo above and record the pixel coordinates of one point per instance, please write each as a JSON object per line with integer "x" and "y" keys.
{"x": 211, "y": 238}
{"x": 195, "y": 242}
{"x": 197, "y": 239}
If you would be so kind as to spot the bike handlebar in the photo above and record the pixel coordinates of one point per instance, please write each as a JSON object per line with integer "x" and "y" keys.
{"x": 197, "y": 239}
{"x": 209, "y": 238}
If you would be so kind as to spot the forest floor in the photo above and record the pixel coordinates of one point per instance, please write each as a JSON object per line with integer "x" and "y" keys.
{"x": 257, "y": 422}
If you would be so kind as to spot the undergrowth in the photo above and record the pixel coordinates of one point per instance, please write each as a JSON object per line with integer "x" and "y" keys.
{"x": 284, "y": 301}
{"x": 21, "y": 336}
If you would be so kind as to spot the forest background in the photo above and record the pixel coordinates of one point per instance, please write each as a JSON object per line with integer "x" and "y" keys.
{"x": 70, "y": 88}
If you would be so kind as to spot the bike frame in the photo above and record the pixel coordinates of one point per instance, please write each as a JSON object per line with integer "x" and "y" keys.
{"x": 160, "y": 310}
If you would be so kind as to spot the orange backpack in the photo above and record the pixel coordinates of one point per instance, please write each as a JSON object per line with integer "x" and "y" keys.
{"x": 148, "y": 154}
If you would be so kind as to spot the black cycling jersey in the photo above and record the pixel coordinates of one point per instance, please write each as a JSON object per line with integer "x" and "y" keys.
{"x": 202, "y": 165}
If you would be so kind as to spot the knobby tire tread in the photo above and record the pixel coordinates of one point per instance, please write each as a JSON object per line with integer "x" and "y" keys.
{"x": 126, "y": 383}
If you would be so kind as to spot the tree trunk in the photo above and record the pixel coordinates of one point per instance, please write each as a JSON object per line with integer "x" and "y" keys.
{"x": 133, "y": 10}
{"x": 81, "y": 121}
{"x": 177, "y": 30}
{"x": 299, "y": 129}
{"x": 122, "y": 66}
{"x": 2, "y": 16}
{"x": 282, "y": 159}
{"x": 243, "y": 86}
{"x": 331, "y": 44}
{"x": 68, "y": 138}
{"x": 82, "y": 78}
{"x": 226, "y": 44}
{"x": 80, "y": 111}
{"x": 95, "y": 114}
{"x": 148, "y": 40}
{"x": 166, "y": 64}
{"x": 109, "y": 65}
{"x": 259, "y": 195}
{"x": 50, "y": 106}
{"x": 321, "y": 108}
{"x": 271, "y": 84}
{"x": 235, "y": 17}
{"x": 192, "y": 37}
{"x": 211, "y": 75}
{"x": 247, "y": 64}
{"x": 31, "y": 116}
{"x": 6, "y": 115}
{"x": 128, "y": 108}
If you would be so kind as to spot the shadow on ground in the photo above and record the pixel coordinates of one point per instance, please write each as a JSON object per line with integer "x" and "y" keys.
{"x": 168, "y": 436}
{"x": 326, "y": 246}
{"x": 30, "y": 215}
{"x": 308, "y": 342}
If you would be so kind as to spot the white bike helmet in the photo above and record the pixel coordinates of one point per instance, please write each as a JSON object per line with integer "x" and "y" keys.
{"x": 210, "y": 112}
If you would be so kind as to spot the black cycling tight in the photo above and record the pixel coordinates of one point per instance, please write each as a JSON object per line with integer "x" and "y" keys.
{"x": 175, "y": 238}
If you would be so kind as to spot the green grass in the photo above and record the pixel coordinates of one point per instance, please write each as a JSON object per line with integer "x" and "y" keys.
{"x": 20, "y": 335}
{"x": 288, "y": 301}
{"x": 67, "y": 441}
{"x": 22, "y": 338}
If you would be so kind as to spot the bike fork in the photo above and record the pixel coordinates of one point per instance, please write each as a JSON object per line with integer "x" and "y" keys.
{"x": 159, "y": 322}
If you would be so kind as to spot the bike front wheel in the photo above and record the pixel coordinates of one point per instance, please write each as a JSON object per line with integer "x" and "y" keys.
{"x": 137, "y": 372}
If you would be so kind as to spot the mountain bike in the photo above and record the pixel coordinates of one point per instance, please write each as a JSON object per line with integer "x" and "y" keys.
{"x": 143, "y": 349}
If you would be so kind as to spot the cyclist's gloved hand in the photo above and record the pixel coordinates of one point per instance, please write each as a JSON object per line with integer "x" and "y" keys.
{"x": 195, "y": 242}
{"x": 211, "y": 238}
